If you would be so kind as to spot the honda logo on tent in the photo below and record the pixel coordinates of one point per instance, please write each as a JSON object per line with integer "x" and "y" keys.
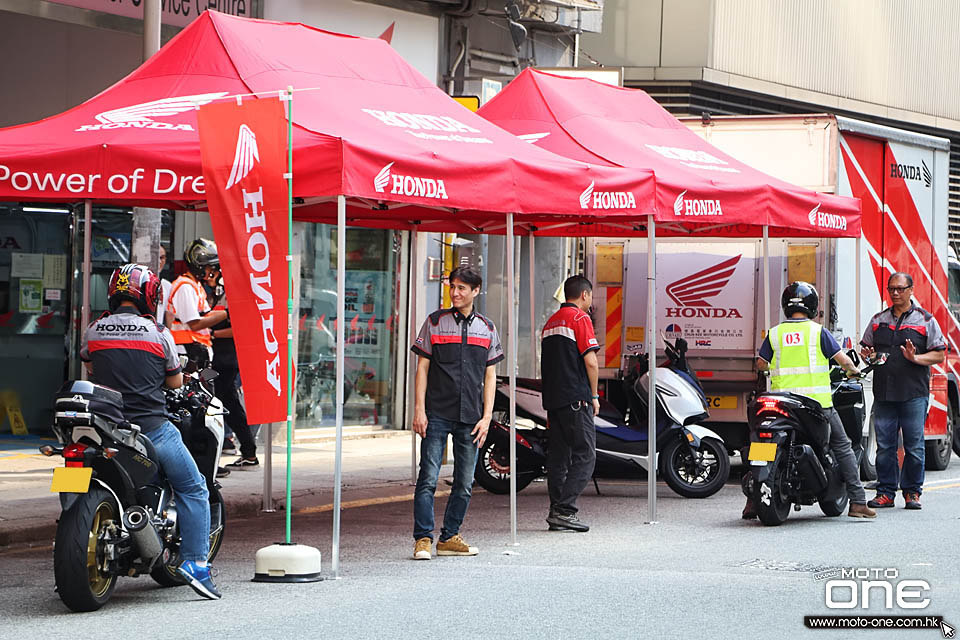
{"x": 825, "y": 220}
{"x": 683, "y": 206}
{"x": 245, "y": 156}
{"x": 141, "y": 116}
{"x": 691, "y": 293}
{"x": 409, "y": 185}
{"x": 592, "y": 199}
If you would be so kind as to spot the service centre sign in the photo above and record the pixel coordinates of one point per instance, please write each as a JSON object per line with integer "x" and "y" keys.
{"x": 178, "y": 13}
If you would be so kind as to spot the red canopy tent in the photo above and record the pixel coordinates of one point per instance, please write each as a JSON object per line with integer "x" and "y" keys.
{"x": 367, "y": 126}
{"x": 700, "y": 189}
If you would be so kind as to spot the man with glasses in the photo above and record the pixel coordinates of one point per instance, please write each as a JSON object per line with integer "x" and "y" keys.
{"x": 912, "y": 339}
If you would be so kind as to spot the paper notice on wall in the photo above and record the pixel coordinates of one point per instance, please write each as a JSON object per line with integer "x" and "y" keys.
{"x": 54, "y": 271}
{"x": 31, "y": 296}
{"x": 26, "y": 265}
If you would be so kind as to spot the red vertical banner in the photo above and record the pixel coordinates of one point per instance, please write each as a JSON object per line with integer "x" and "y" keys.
{"x": 243, "y": 149}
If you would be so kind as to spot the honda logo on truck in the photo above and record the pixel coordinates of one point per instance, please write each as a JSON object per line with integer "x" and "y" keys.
{"x": 690, "y": 293}
{"x": 826, "y": 220}
{"x": 912, "y": 172}
{"x": 683, "y": 206}
{"x": 409, "y": 185}
{"x": 592, "y": 199}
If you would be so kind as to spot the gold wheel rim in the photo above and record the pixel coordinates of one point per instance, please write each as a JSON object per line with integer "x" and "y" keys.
{"x": 99, "y": 579}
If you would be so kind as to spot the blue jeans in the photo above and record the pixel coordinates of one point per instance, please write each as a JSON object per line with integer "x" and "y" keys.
{"x": 189, "y": 488}
{"x": 464, "y": 462}
{"x": 890, "y": 419}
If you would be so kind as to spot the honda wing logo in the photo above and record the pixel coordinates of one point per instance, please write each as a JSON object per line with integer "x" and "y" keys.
{"x": 533, "y": 138}
{"x": 825, "y": 220}
{"x": 684, "y": 206}
{"x": 409, "y": 185}
{"x": 247, "y": 154}
{"x": 927, "y": 176}
{"x": 590, "y": 198}
{"x": 141, "y": 116}
{"x": 691, "y": 294}
{"x": 586, "y": 196}
{"x": 383, "y": 179}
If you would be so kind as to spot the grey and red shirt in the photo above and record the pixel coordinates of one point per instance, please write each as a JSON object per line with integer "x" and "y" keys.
{"x": 567, "y": 337}
{"x": 134, "y": 355}
{"x": 460, "y": 348}
{"x": 899, "y": 379}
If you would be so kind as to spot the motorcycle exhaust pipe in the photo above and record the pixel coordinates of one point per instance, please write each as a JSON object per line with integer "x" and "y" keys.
{"x": 137, "y": 522}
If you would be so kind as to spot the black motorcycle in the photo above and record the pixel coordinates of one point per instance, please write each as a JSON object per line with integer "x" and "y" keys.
{"x": 119, "y": 513}
{"x": 692, "y": 459}
{"x": 790, "y": 463}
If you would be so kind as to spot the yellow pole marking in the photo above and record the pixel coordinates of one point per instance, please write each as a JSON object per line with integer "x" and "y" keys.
{"x": 942, "y": 486}
{"x": 366, "y": 502}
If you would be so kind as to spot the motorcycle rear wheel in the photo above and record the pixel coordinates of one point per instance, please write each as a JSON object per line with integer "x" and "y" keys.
{"x": 776, "y": 508}
{"x": 79, "y": 555}
{"x": 699, "y": 475}
{"x": 493, "y": 470}
{"x": 834, "y": 500}
{"x": 165, "y": 574}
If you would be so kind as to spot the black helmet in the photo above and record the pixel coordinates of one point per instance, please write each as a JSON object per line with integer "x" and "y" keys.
{"x": 800, "y": 296}
{"x": 199, "y": 254}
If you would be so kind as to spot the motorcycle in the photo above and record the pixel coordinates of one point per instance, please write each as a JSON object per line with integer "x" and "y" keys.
{"x": 692, "y": 459}
{"x": 789, "y": 457}
{"x": 119, "y": 513}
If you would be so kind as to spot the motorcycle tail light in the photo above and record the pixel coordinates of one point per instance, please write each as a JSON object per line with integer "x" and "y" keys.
{"x": 764, "y": 434}
{"x": 73, "y": 454}
{"x": 771, "y": 405}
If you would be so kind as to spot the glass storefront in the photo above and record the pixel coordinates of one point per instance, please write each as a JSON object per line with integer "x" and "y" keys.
{"x": 370, "y": 330}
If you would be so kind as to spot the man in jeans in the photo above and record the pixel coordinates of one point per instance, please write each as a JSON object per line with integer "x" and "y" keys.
{"x": 912, "y": 339}
{"x": 570, "y": 370}
{"x": 455, "y": 385}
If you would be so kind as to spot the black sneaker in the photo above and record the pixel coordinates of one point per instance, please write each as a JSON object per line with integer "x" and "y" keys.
{"x": 563, "y": 521}
{"x": 229, "y": 447}
{"x": 222, "y": 472}
{"x": 244, "y": 463}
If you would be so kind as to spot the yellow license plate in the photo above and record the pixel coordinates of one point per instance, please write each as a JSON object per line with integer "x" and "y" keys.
{"x": 71, "y": 479}
{"x": 763, "y": 451}
{"x": 722, "y": 402}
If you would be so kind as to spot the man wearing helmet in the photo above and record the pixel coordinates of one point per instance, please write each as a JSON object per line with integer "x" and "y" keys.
{"x": 187, "y": 303}
{"x": 795, "y": 365}
{"x": 135, "y": 355}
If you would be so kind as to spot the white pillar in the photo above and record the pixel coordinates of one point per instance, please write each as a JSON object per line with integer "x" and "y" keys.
{"x": 533, "y": 308}
{"x": 856, "y": 296}
{"x": 415, "y": 270}
{"x": 85, "y": 294}
{"x": 512, "y": 373}
{"x": 652, "y": 369}
{"x": 766, "y": 278}
{"x": 151, "y": 28}
{"x": 341, "y": 322}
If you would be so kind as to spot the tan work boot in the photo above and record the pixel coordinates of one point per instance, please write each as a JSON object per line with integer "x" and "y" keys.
{"x": 421, "y": 549}
{"x": 861, "y": 511}
{"x": 456, "y": 546}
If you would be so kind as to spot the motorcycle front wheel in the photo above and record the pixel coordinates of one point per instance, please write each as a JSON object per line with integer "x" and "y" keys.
{"x": 493, "y": 470}
{"x": 695, "y": 473}
{"x": 79, "y": 554}
{"x": 165, "y": 574}
{"x": 773, "y": 506}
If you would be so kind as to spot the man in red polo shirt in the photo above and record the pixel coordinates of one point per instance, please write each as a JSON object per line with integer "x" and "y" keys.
{"x": 569, "y": 369}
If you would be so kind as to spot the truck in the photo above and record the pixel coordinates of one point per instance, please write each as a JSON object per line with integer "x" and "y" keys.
{"x": 711, "y": 290}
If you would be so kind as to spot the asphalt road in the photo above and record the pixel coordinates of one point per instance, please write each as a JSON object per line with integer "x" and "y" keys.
{"x": 700, "y": 572}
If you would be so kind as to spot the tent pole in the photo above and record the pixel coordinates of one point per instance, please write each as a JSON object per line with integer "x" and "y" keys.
{"x": 85, "y": 295}
{"x": 533, "y": 308}
{"x": 766, "y": 278}
{"x": 652, "y": 371}
{"x": 512, "y": 373}
{"x": 341, "y": 317}
{"x": 856, "y": 296}
{"x": 415, "y": 270}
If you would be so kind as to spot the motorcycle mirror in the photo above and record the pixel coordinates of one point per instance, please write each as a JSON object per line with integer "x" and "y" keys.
{"x": 208, "y": 374}
{"x": 881, "y": 359}
{"x": 183, "y": 362}
{"x": 853, "y": 355}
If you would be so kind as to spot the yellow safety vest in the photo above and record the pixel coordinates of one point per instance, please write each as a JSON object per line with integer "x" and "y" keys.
{"x": 798, "y": 362}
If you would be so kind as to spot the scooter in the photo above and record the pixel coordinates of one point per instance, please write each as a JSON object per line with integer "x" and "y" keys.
{"x": 789, "y": 456}
{"x": 692, "y": 459}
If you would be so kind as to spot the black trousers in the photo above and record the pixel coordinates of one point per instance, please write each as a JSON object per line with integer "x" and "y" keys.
{"x": 225, "y": 388}
{"x": 571, "y": 454}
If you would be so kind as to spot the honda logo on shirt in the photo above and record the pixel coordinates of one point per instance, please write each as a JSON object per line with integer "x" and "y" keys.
{"x": 409, "y": 185}
{"x": 692, "y": 293}
{"x": 141, "y": 116}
